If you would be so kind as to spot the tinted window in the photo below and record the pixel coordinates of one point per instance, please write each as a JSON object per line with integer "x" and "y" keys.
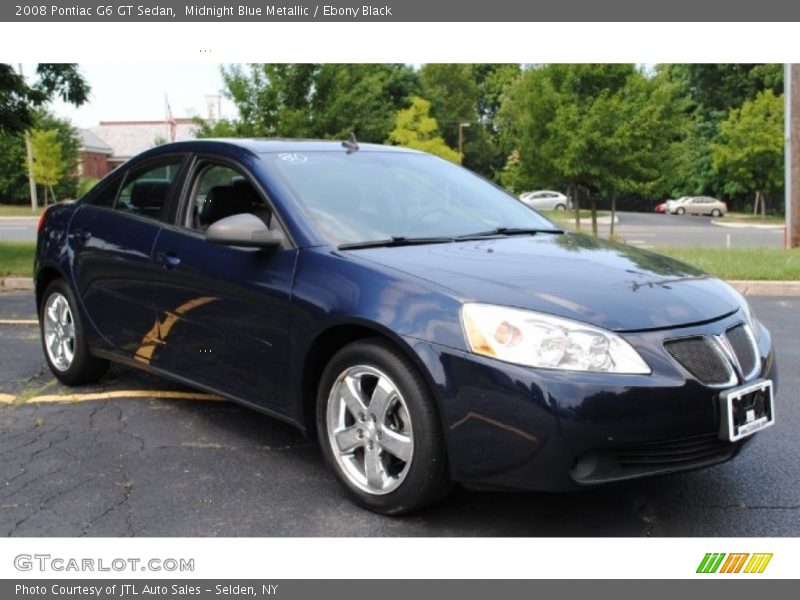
{"x": 146, "y": 191}
{"x": 220, "y": 191}
{"x": 366, "y": 196}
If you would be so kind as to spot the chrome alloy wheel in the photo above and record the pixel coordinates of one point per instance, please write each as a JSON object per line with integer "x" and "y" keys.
{"x": 369, "y": 430}
{"x": 59, "y": 332}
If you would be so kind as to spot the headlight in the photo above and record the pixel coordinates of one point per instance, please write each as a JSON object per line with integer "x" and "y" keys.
{"x": 537, "y": 340}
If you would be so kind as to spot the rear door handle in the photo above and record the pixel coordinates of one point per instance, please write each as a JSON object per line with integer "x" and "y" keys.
{"x": 168, "y": 261}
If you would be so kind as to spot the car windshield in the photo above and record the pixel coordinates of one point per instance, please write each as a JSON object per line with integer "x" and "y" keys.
{"x": 369, "y": 196}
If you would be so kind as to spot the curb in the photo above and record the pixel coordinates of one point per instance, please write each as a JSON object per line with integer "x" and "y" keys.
{"x": 748, "y": 225}
{"x": 767, "y": 288}
{"x": 16, "y": 283}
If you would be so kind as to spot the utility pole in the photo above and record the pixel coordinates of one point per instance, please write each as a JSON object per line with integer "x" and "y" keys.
{"x": 29, "y": 150}
{"x": 461, "y": 127}
{"x": 792, "y": 150}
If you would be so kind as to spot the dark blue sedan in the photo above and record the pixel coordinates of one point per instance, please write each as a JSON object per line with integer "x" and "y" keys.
{"x": 428, "y": 327}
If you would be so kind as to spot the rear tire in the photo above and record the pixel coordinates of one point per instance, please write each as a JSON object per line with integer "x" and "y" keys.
{"x": 379, "y": 429}
{"x": 561, "y": 207}
{"x": 716, "y": 213}
{"x": 64, "y": 338}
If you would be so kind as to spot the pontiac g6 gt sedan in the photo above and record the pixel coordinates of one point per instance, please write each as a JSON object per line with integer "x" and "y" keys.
{"x": 428, "y": 327}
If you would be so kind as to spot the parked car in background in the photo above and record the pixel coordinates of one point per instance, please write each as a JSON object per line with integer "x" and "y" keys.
{"x": 545, "y": 200}
{"x": 671, "y": 205}
{"x": 702, "y": 205}
{"x": 660, "y": 208}
{"x": 424, "y": 325}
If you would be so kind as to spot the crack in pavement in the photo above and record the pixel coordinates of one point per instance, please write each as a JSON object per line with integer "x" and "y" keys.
{"x": 43, "y": 504}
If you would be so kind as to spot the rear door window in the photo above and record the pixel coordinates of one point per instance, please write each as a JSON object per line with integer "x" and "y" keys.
{"x": 147, "y": 191}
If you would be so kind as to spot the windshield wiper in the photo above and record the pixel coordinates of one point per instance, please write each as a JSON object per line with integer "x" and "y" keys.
{"x": 504, "y": 231}
{"x": 395, "y": 240}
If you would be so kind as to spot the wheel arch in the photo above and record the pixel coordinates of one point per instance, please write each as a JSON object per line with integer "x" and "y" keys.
{"x": 332, "y": 339}
{"x": 44, "y": 277}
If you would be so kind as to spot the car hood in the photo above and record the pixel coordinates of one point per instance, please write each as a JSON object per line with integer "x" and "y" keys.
{"x": 612, "y": 285}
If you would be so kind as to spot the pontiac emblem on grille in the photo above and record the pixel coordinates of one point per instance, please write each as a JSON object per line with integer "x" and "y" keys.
{"x": 728, "y": 350}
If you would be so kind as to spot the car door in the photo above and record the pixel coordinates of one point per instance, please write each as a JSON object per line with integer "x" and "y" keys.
{"x": 223, "y": 312}
{"x": 706, "y": 205}
{"x": 112, "y": 235}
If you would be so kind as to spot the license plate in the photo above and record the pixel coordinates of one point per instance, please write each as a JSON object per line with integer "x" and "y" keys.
{"x": 746, "y": 409}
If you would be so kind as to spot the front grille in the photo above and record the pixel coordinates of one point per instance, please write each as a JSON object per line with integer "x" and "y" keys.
{"x": 653, "y": 458}
{"x": 742, "y": 345}
{"x": 701, "y": 358}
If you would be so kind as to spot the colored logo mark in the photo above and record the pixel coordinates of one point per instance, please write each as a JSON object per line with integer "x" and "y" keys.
{"x": 736, "y": 562}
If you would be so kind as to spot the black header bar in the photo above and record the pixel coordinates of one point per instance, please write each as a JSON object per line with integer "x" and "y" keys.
{"x": 404, "y": 11}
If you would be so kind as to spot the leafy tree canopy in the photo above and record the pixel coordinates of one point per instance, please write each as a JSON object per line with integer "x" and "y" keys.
{"x": 19, "y": 100}
{"x": 13, "y": 168}
{"x": 415, "y": 128}
{"x": 749, "y": 150}
{"x": 605, "y": 128}
{"x": 327, "y": 101}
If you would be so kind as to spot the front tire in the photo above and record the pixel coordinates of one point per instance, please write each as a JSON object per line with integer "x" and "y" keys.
{"x": 680, "y": 211}
{"x": 64, "y": 338}
{"x": 379, "y": 429}
{"x": 716, "y": 213}
{"x": 561, "y": 208}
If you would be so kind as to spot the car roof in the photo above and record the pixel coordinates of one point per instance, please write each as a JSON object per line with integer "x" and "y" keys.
{"x": 266, "y": 145}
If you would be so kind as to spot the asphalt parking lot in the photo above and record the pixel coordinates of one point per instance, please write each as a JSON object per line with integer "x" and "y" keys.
{"x": 653, "y": 230}
{"x": 111, "y": 464}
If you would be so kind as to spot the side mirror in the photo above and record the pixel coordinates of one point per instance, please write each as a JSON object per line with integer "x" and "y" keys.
{"x": 245, "y": 230}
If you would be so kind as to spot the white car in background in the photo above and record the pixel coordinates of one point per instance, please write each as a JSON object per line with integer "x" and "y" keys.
{"x": 670, "y": 206}
{"x": 545, "y": 200}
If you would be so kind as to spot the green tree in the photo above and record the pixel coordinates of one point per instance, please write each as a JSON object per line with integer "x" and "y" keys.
{"x": 713, "y": 90}
{"x": 67, "y": 137}
{"x": 453, "y": 94}
{"x": 327, "y": 101}
{"x": 719, "y": 87}
{"x": 19, "y": 100}
{"x": 416, "y": 128}
{"x": 470, "y": 93}
{"x": 13, "y": 170}
{"x": 596, "y": 129}
{"x": 749, "y": 150}
{"x": 13, "y": 161}
{"x": 48, "y": 164}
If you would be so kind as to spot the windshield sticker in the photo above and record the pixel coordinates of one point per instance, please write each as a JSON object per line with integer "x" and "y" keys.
{"x": 293, "y": 157}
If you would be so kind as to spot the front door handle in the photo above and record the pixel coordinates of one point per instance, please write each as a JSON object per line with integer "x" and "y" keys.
{"x": 168, "y": 261}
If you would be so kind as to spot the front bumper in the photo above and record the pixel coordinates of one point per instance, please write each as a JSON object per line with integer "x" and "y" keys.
{"x": 517, "y": 427}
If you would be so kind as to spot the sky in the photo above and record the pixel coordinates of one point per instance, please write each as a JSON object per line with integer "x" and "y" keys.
{"x": 136, "y": 92}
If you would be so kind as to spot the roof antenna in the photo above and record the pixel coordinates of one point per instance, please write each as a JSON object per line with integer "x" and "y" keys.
{"x": 350, "y": 143}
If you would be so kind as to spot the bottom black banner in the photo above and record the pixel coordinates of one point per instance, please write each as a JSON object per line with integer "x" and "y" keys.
{"x": 380, "y": 589}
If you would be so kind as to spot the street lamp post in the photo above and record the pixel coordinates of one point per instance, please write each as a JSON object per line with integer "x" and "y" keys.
{"x": 29, "y": 164}
{"x": 461, "y": 127}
